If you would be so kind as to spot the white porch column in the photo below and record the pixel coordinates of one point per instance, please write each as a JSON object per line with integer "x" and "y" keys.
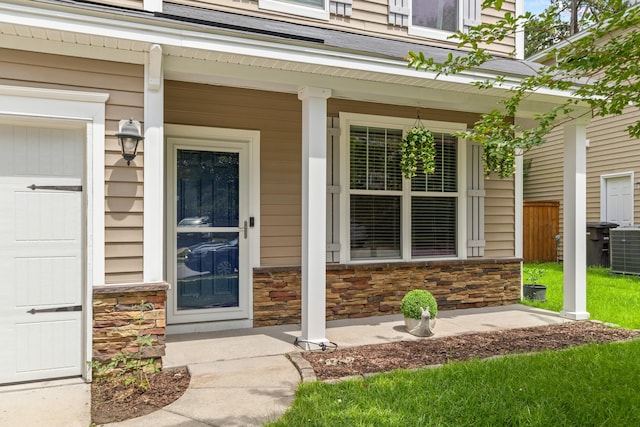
{"x": 575, "y": 218}
{"x": 314, "y": 214}
{"x": 519, "y": 200}
{"x": 153, "y": 231}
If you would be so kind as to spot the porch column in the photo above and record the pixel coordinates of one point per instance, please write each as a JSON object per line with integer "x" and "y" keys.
{"x": 153, "y": 205}
{"x": 575, "y": 218}
{"x": 314, "y": 221}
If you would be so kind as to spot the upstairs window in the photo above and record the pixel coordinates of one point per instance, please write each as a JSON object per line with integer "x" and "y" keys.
{"x": 312, "y": 3}
{"x": 443, "y": 15}
{"x": 435, "y": 19}
{"x": 316, "y": 9}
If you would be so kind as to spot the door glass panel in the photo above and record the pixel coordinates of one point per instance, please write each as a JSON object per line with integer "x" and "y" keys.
{"x": 207, "y": 188}
{"x": 207, "y": 266}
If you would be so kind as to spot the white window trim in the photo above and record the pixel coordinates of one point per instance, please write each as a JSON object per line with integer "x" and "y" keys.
{"x": 349, "y": 119}
{"x": 433, "y": 33}
{"x": 291, "y": 8}
{"x": 90, "y": 108}
{"x": 603, "y": 192}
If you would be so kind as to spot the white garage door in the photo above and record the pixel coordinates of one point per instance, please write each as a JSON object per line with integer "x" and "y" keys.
{"x": 41, "y": 223}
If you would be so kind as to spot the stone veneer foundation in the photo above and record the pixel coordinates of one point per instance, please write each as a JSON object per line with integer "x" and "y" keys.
{"x": 122, "y": 312}
{"x": 365, "y": 290}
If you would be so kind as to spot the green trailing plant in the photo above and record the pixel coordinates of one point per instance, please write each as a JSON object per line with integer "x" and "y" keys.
{"x": 417, "y": 146}
{"x": 418, "y": 299}
{"x": 129, "y": 366}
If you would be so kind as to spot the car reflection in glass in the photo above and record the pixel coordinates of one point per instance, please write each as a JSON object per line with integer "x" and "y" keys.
{"x": 188, "y": 239}
{"x": 219, "y": 258}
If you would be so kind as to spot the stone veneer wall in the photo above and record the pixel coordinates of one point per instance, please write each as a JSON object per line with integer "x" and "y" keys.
{"x": 376, "y": 289}
{"x": 122, "y": 312}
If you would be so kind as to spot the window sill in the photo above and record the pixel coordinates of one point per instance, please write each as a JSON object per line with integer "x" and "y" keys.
{"x": 430, "y": 33}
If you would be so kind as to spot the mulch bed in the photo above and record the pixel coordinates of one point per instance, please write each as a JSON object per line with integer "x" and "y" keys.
{"x": 434, "y": 351}
{"x": 112, "y": 400}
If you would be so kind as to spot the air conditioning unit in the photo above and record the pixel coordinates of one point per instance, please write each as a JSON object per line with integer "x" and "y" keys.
{"x": 624, "y": 247}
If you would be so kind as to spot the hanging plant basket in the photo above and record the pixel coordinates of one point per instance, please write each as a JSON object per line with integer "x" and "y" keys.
{"x": 417, "y": 146}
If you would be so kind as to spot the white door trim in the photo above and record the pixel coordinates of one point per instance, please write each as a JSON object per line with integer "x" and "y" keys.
{"x": 87, "y": 107}
{"x": 603, "y": 192}
{"x": 252, "y": 141}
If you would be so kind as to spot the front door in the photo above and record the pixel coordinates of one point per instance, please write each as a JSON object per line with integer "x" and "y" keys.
{"x": 209, "y": 231}
{"x": 41, "y": 222}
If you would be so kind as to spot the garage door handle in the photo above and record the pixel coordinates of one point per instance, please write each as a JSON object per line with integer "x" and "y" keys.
{"x": 56, "y": 187}
{"x": 55, "y": 310}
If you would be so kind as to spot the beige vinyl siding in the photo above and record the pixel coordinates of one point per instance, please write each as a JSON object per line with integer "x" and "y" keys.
{"x": 278, "y": 118}
{"x": 368, "y": 17}
{"x": 123, "y": 186}
{"x": 543, "y": 176}
{"x": 499, "y": 217}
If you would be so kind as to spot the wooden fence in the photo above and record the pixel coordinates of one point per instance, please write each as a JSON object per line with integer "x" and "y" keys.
{"x": 541, "y": 225}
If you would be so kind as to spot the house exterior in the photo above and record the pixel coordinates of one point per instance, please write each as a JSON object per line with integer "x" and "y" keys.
{"x": 267, "y": 189}
{"x": 612, "y": 170}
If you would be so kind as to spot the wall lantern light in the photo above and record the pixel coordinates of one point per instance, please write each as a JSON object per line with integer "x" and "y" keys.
{"x": 638, "y": 185}
{"x": 129, "y": 137}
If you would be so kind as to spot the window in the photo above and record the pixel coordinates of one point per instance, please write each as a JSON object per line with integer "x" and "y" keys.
{"x": 436, "y": 19}
{"x": 317, "y": 9}
{"x": 375, "y": 192}
{"x": 390, "y": 217}
{"x": 439, "y": 15}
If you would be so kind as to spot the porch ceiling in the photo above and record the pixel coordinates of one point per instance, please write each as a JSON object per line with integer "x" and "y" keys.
{"x": 223, "y": 58}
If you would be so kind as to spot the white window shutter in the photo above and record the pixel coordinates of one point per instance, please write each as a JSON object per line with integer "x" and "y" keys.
{"x": 333, "y": 189}
{"x": 399, "y": 12}
{"x": 475, "y": 201}
{"x": 471, "y": 10}
{"x": 340, "y": 7}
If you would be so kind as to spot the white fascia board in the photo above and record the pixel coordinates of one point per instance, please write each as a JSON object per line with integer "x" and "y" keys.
{"x": 141, "y": 30}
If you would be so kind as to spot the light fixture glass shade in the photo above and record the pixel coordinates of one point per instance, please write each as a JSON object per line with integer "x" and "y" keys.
{"x": 129, "y": 137}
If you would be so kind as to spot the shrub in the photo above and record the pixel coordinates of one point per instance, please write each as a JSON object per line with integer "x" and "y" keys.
{"x": 416, "y": 299}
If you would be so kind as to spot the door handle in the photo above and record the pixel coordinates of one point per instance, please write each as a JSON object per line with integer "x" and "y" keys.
{"x": 55, "y": 310}
{"x": 244, "y": 229}
{"x": 56, "y": 187}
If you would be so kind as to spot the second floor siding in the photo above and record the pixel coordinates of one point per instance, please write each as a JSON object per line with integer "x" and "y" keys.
{"x": 416, "y": 21}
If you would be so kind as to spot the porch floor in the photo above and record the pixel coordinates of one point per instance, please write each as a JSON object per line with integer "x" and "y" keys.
{"x": 206, "y": 347}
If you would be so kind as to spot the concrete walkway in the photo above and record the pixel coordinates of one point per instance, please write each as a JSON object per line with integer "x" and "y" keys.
{"x": 243, "y": 378}
{"x": 46, "y": 404}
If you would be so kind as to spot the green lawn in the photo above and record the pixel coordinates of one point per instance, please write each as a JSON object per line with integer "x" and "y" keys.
{"x": 610, "y": 297}
{"x": 594, "y": 385}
